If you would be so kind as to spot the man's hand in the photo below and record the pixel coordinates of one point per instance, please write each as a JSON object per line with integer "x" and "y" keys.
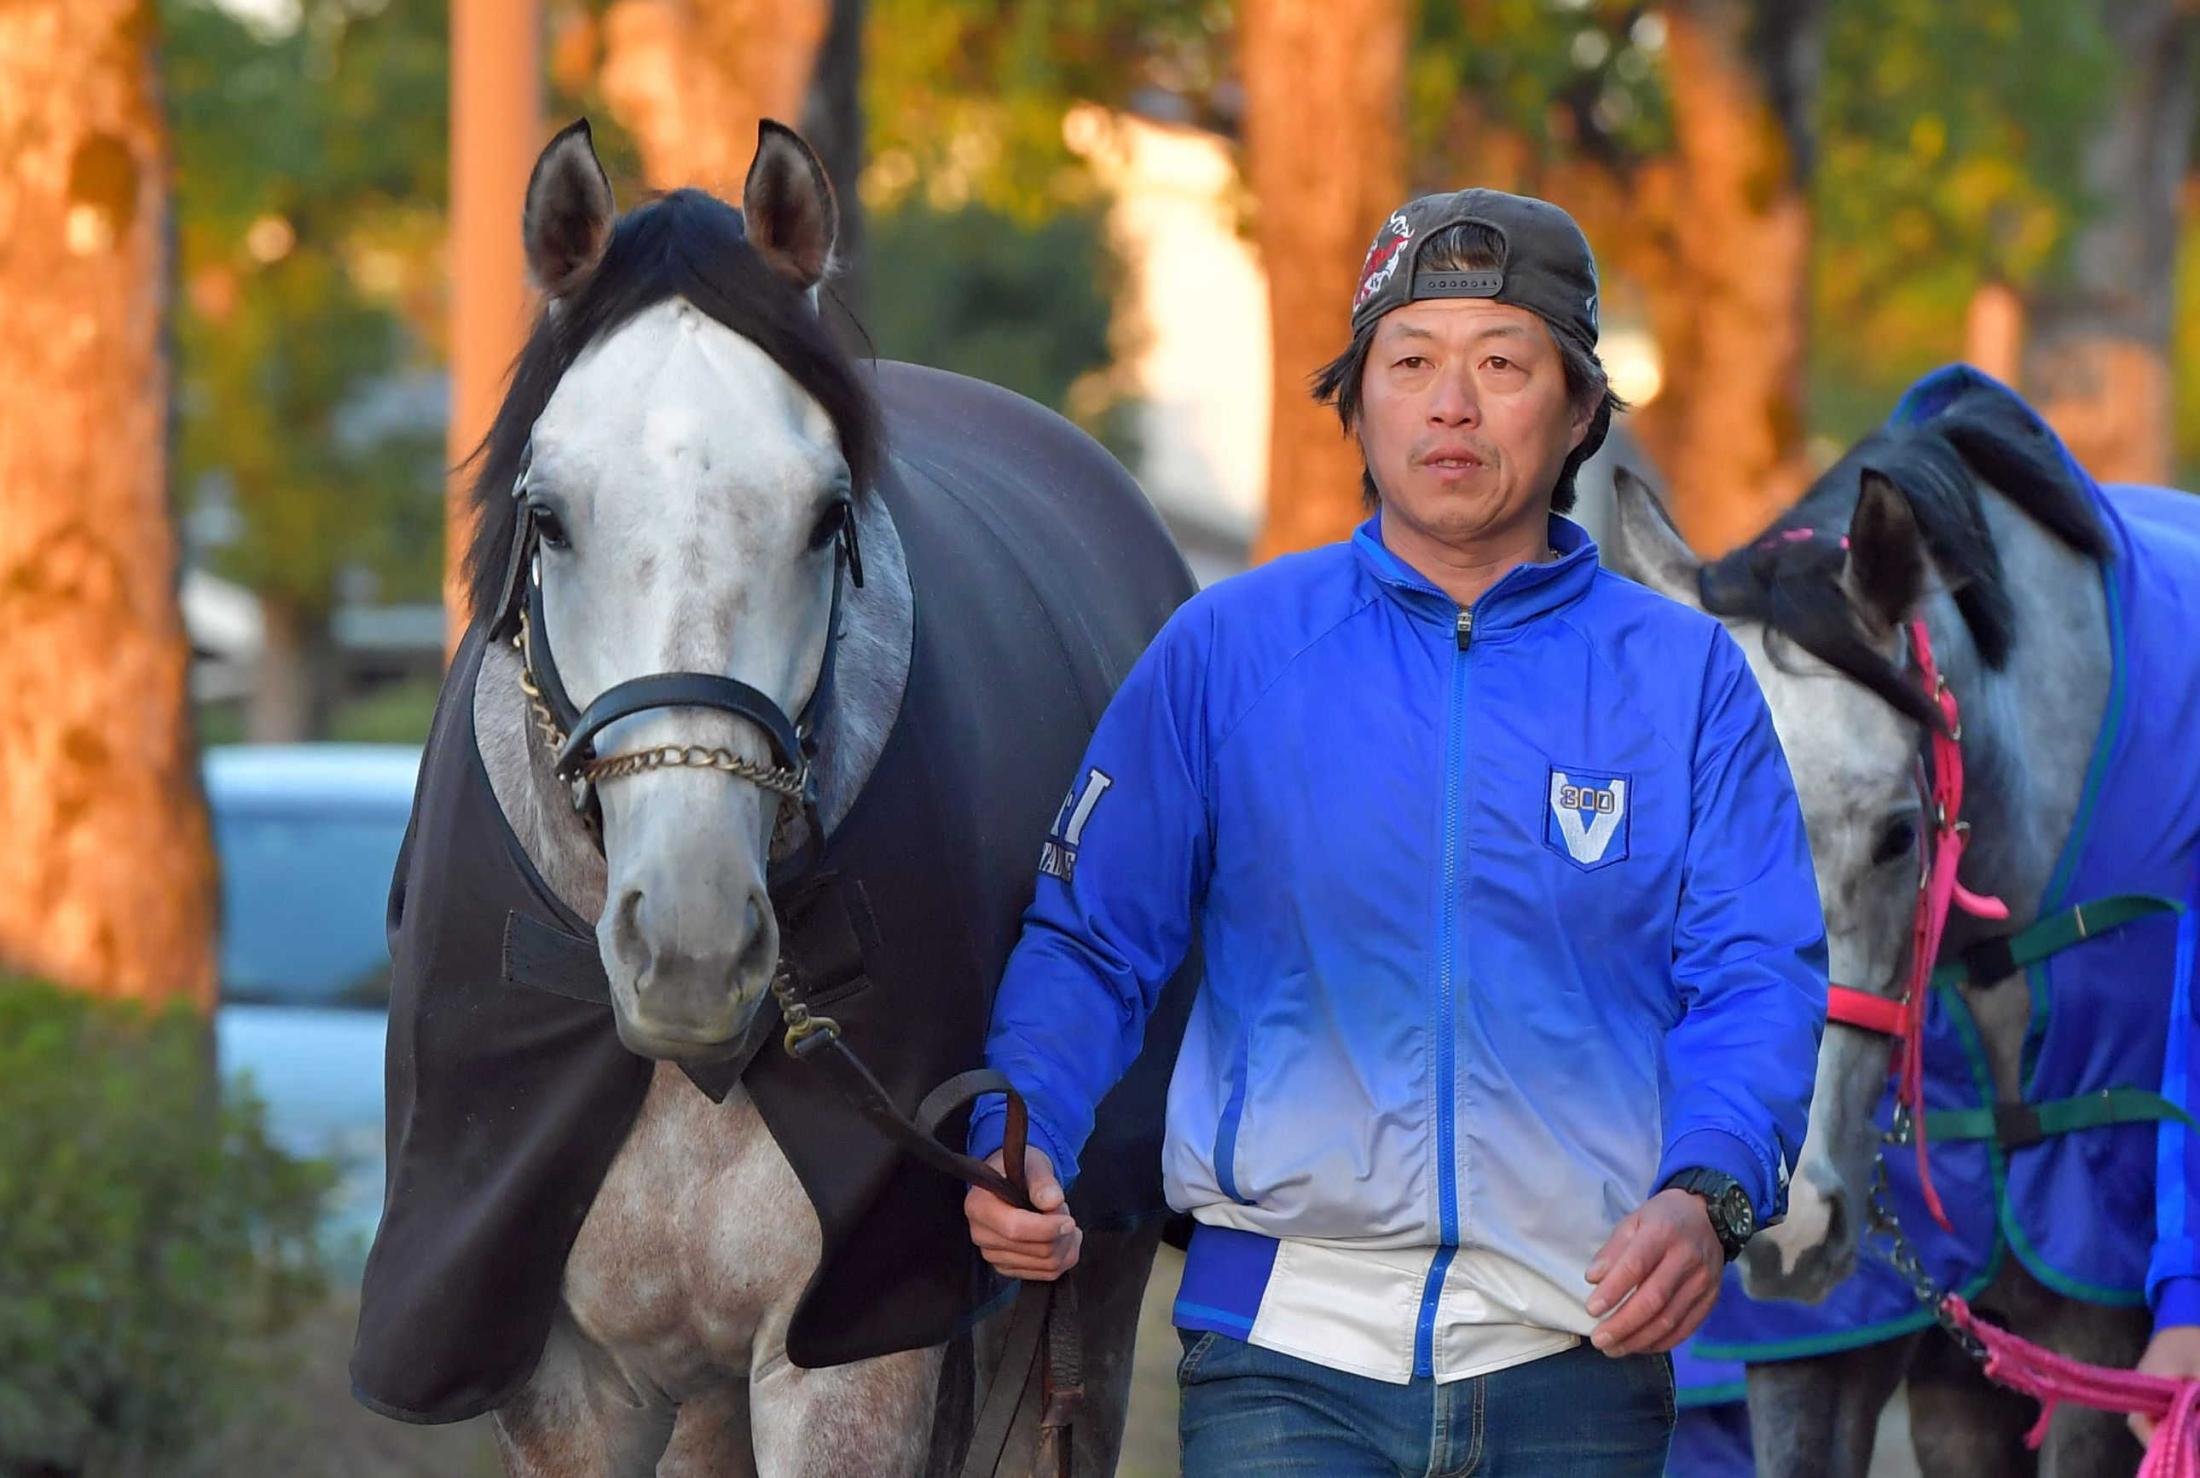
{"x": 1661, "y": 1270}
{"x": 2173, "y": 1353}
{"x": 1038, "y": 1245}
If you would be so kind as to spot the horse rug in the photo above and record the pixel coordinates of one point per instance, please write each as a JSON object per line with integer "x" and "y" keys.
{"x": 2077, "y": 1208}
{"x": 1037, "y": 582}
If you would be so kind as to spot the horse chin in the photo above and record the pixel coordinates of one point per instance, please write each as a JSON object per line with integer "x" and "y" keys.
{"x": 1767, "y": 1273}
{"x": 686, "y": 1041}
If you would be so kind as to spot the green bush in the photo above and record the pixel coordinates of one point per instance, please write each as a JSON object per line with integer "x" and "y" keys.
{"x": 151, "y": 1236}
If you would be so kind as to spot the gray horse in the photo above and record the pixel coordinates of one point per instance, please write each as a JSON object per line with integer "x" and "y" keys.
{"x": 1976, "y": 523}
{"x": 687, "y": 479}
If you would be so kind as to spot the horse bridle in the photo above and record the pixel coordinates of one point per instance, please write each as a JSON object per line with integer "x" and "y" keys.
{"x": 571, "y": 731}
{"x": 1939, "y": 893}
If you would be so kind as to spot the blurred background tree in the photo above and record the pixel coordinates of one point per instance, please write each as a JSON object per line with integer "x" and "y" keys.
{"x": 311, "y": 174}
{"x": 107, "y": 883}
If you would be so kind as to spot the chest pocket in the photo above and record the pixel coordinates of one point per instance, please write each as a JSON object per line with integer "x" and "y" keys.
{"x": 1588, "y": 816}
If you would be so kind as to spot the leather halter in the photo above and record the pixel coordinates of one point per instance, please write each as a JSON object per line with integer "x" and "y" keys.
{"x": 519, "y": 618}
{"x": 1939, "y": 892}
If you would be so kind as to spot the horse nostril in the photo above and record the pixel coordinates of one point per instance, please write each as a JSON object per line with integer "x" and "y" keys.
{"x": 1837, "y": 1219}
{"x": 626, "y": 928}
{"x": 761, "y": 953}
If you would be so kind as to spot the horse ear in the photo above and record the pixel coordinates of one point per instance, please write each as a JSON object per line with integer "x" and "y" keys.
{"x": 1644, "y": 545}
{"x": 1886, "y": 568}
{"x": 789, "y": 207}
{"x": 567, "y": 219}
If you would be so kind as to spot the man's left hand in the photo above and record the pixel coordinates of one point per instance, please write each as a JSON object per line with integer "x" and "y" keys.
{"x": 1661, "y": 1271}
{"x": 2173, "y": 1353}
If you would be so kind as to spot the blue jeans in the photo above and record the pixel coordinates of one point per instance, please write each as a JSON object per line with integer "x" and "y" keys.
{"x": 1247, "y": 1411}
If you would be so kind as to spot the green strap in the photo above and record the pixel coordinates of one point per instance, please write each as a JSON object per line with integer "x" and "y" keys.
{"x": 1996, "y": 959}
{"x": 2015, "y": 1125}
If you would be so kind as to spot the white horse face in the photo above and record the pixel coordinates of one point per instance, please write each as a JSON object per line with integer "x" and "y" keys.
{"x": 1854, "y": 760}
{"x": 697, "y": 491}
{"x": 689, "y": 491}
{"x": 1854, "y": 763}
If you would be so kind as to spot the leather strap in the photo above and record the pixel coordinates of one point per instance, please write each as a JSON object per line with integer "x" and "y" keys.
{"x": 679, "y": 690}
{"x": 2016, "y": 1125}
{"x": 1044, "y": 1330}
{"x": 1028, "y": 1327}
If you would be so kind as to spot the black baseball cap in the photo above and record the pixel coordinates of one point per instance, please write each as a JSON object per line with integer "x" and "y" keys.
{"x": 1547, "y": 267}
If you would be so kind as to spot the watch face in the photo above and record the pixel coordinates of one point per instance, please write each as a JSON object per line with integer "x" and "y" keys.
{"x": 1740, "y": 1216}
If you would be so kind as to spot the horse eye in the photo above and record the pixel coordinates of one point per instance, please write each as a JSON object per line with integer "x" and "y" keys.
{"x": 1895, "y": 841}
{"x": 550, "y": 527}
{"x": 829, "y": 523}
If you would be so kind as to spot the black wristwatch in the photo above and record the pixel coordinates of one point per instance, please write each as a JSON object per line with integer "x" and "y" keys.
{"x": 1733, "y": 1218}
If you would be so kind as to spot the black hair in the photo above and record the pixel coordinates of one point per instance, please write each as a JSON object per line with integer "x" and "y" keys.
{"x": 687, "y": 244}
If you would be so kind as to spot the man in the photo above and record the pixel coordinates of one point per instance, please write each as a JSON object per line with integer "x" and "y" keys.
{"x": 1514, "y": 962}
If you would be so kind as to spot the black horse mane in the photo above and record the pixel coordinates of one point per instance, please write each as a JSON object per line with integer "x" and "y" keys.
{"x": 1790, "y": 578}
{"x": 686, "y": 244}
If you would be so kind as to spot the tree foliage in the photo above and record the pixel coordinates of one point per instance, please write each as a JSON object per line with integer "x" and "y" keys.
{"x": 152, "y": 1234}
{"x": 311, "y": 178}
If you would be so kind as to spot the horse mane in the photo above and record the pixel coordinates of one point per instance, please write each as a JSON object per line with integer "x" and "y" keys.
{"x": 686, "y": 244}
{"x": 1790, "y": 577}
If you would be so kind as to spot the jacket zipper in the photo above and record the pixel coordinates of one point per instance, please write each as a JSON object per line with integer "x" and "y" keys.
{"x": 1424, "y": 1338}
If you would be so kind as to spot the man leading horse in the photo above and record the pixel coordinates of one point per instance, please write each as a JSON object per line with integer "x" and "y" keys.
{"x": 1514, "y": 965}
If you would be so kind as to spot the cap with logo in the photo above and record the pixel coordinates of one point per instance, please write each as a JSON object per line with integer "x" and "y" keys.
{"x": 1546, "y": 267}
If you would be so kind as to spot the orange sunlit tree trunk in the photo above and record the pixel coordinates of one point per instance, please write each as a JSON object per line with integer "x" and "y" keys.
{"x": 1325, "y": 154}
{"x": 496, "y": 132}
{"x": 107, "y": 881}
{"x": 1729, "y": 300}
{"x": 2097, "y": 358}
{"x": 689, "y": 79}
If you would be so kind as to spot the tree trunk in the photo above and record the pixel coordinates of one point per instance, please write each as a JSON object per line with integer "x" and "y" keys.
{"x": 496, "y": 132}
{"x": 1993, "y": 331}
{"x": 2098, "y": 361}
{"x": 107, "y": 878}
{"x": 1730, "y": 305}
{"x": 1324, "y": 126}
{"x": 690, "y": 79}
{"x": 293, "y": 689}
{"x": 832, "y": 121}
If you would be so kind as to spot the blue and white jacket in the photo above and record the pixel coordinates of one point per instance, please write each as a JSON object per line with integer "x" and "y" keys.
{"x": 1507, "y": 915}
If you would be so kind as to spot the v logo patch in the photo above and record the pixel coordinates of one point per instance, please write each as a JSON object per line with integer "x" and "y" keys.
{"x": 1587, "y": 841}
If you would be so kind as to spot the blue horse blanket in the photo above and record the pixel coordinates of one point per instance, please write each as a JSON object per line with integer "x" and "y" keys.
{"x": 2102, "y": 1214}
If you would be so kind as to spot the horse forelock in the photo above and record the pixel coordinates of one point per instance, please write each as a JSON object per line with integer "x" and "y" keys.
{"x": 689, "y": 245}
{"x": 1790, "y": 578}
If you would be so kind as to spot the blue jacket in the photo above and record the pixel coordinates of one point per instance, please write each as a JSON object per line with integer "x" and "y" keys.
{"x": 1507, "y": 912}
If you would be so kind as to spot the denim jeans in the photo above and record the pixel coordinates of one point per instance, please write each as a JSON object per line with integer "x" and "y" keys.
{"x": 1578, "y": 1414}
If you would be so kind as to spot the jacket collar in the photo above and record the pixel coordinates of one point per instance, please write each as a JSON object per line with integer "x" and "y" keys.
{"x": 1525, "y": 593}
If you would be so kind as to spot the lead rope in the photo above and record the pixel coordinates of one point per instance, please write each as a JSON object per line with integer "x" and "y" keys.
{"x": 2051, "y": 1379}
{"x": 2048, "y": 1378}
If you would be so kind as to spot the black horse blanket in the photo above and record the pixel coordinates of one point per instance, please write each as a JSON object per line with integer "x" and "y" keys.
{"x": 1039, "y": 573}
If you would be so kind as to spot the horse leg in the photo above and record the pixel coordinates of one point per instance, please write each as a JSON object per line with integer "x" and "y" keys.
{"x": 578, "y": 1417}
{"x": 1960, "y": 1422}
{"x": 1816, "y": 1418}
{"x": 872, "y": 1417}
{"x": 2082, "y": 1442}
{"x": 1111, "y": 1284}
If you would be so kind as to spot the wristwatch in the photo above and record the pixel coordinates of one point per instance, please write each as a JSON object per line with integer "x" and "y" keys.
{"x": 1733, "y": 1218}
